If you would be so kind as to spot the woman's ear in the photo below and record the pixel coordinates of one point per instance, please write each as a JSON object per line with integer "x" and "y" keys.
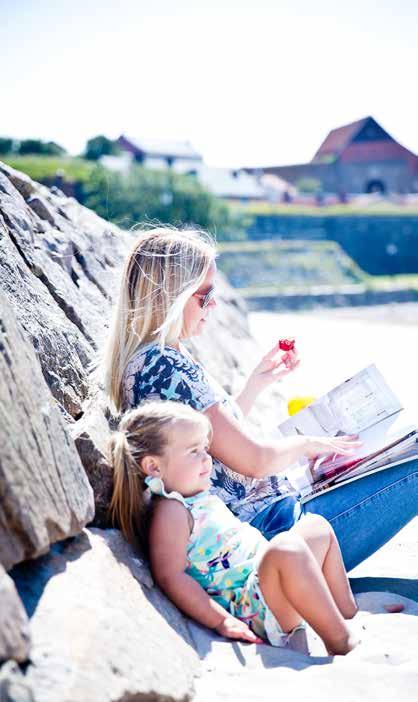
{"x": 151, "y": 466}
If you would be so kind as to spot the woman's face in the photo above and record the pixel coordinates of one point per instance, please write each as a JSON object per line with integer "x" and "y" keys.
{"x": 194, "y": 315}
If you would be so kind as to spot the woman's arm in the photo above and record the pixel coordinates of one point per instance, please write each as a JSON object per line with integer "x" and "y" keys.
{"x": 169, "y": 534}
{"x": 256, "y": 459}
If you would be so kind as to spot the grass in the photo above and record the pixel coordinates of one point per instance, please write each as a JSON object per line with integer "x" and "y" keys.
{"x": 41, "y": 167}
{"x": 378, "y": 209}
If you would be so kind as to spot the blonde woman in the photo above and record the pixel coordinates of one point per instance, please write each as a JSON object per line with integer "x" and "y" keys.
{"x": 167, "y": 292}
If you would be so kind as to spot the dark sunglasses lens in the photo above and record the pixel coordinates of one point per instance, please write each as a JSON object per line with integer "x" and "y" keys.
{"x": 208, "y": 297}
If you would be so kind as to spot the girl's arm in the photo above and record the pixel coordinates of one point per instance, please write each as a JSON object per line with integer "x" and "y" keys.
{"x": 169, "y": 534}
{"x": 256, "y": 459}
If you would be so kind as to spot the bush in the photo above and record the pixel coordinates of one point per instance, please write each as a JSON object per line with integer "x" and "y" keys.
{"x": 41, "y": 148}
{"x": 144, "y": 195}
{"x": 100, "y": 146}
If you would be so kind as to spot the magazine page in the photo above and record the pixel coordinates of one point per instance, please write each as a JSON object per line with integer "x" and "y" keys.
{"x": 383, "y": 442}
{"x": 352, "y": 407}
{"x": 410, "y": 454}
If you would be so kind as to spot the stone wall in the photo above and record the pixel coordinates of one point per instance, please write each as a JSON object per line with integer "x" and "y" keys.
{"x": 380, "y": 244}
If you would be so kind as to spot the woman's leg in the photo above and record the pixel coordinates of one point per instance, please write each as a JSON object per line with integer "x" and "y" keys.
{"x": 277, "y": 517}
{"x": 294, "y": 586}
{"x": 366, "y": 513}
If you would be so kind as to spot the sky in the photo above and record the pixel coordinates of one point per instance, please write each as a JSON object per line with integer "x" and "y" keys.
{"x": 247, "y": 83}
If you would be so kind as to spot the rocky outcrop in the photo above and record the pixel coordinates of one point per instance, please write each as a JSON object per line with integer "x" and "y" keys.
{"x": 14, "y": 624}
{"x": 45, "y": 494}
{"x": 100, "y": 631}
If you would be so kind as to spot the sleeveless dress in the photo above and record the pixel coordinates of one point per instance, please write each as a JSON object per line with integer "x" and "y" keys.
{"x": 223, "y": 554}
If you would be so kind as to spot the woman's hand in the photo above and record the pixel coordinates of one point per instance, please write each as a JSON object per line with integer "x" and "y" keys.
{"x": 274, "y": 366}
{"x": 233, "y": 628}
{"x": 339, "y": 445}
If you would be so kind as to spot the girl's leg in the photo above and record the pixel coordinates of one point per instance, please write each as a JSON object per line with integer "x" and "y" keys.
{"x": 293, "y": 586}
{"x": 366, "y": 513}
{"x": 319, "y": 536}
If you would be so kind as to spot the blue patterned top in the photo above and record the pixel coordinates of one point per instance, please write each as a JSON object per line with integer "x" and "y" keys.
{"x": 171, "y": 374}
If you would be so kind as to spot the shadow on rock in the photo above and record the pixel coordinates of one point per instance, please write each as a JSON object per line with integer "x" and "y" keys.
{"x": 32, "y": 577}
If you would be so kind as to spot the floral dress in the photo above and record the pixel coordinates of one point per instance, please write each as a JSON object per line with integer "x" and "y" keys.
{"x": 222, "y": 556}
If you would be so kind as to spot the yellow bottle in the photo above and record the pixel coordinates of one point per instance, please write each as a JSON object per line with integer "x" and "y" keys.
{"x": 295, "y": 404}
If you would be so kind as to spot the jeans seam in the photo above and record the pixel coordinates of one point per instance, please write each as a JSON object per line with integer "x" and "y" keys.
{"x": 367, "y": 499}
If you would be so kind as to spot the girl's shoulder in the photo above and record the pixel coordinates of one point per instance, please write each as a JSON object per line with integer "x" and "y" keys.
{"x": 170, "y": 512}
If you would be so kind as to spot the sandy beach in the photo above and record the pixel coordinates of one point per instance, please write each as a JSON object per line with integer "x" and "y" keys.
{"x": 335, "y": 344}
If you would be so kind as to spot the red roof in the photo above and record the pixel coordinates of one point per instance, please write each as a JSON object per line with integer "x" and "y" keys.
{"x": 378, "y": 151}
{"x": 339, "y": 138}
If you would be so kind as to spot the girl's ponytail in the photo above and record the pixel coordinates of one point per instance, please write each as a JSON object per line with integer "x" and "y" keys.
{"x": 128, "y": 506}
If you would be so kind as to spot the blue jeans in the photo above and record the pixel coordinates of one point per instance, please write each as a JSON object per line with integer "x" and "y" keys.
{"x": 364, "y": 514}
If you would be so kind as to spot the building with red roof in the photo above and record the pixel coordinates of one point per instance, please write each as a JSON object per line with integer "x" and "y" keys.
{"x": 360, "y": 157}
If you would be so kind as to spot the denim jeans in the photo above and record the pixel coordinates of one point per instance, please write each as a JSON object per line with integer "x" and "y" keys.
{"x": 364, "y": 514}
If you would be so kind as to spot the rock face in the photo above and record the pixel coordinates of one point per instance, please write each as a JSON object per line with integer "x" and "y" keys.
{"x": 99, "y": 632}
{"x": 14, "y": 624}
{"x": 45, "y": 495}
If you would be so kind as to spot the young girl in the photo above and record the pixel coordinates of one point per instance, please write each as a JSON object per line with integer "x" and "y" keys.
{"x": 216, "y": 569}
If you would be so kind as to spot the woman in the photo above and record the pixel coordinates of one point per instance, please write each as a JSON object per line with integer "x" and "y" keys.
{"x": 167, "y": 291}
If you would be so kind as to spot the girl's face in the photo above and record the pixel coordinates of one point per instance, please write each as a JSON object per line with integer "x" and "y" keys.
{"x": 186, "y": 465}
{"x": 194, "y": 315}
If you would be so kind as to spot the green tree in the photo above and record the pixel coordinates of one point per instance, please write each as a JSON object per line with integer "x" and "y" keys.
{"x": 6, "y": 145}
{"x": 40, "y": 148}
{"x": 100, "y": 146}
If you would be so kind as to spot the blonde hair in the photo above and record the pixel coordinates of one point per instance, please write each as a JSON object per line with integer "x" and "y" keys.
{"x": 142, "y": 432}
{"x": 165, "y": 267}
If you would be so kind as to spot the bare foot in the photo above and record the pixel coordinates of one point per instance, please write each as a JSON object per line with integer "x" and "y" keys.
{"x": 343, "y": 646}
{"x": 394, "y": 607}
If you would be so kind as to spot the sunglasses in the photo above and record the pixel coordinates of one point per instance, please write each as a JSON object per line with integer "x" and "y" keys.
{"x": 205, "y": 298}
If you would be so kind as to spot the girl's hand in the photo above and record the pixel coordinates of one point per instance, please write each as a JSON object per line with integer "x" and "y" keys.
{"x": 274, "y": 366}
{"x": 340, "y": 445}
{"x": 233, "y": 628}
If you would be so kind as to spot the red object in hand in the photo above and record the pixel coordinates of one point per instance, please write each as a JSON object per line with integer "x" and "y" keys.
{"x": 286, "y": 344}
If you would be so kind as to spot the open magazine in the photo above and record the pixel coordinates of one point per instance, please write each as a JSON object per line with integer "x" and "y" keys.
{"x": 362, "y": 406}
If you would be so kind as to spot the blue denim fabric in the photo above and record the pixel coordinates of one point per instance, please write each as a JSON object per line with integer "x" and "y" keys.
{"x": 365, "y": 513}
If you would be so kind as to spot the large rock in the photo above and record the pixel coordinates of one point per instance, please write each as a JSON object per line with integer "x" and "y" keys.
{"x": 91, "y": 434}
{"x": 44, "y": 491}
{"x": 57, "y": 264}
{"x": 14, "y": 625}
{"x": 100, "y": 632}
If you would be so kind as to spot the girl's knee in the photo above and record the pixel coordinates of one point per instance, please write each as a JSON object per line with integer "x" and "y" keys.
{"x": 287, "y": 545}
{"x": 316, "y": 523}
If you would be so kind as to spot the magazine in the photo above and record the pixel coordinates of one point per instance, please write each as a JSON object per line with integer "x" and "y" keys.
{"x": 365, "y": 407}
